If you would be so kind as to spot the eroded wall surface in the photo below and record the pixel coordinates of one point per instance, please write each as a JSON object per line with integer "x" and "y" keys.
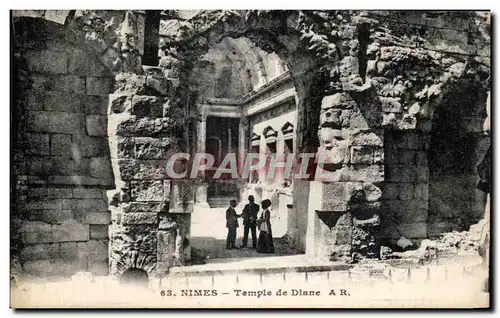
{"x": 60, "y": 149}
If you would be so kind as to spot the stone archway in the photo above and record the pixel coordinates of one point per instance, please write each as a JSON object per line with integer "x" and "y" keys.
{"x": 365, "y": 81}
{"x": 360, "y": 77}
{"x": 323, "y": 59}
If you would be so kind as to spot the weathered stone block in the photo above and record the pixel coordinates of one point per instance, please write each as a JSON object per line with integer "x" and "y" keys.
{"x": 130, "y": 84}
{"x": 147, "y": 106}
{"x": 333, "y": 156}
{"x": 91, "y": 205}
{"x": 145, "y": 126}
{"x": 391, "y": 156}
{"x": 96, "y": 125}
{"x": 101, "y": 168}
{"x": 331, "y": 197}
{"x": 39, "y": 251}
{"x": 408, "y": 140}
{"x": 390, "y": 104}
{"x": 49, "y": 204}
{"x": 147, "y": 190}
{"x": 99, "y": 231}
{"x": 181, "y": 197}
{"x": 88, "y": 193}
{"x": 119, "y": 103}
{"x": 339, "y": 100}
{"x": 141, "y": 169}
{"x": 35, "y": 227}
{"x": 422, "y": 174}
{"x": 373, "y": 173}
{"x": 97, "y": 218}
{"x": 366, "y": 139}
{"x": 33, "y": 99}
{"x": 50, "y": 192}
{"x": 80, "y": 181}
{"x": 151, "y": 148}
{"x": 62, "y": 102}
{"x": 357, "y": 120}
{"x": 60, "y": 145}
{"x": 83, "y": 146}
{"x": 153, "y": 207}
{"x": 407, "y": 156}
{"x": 100, "y": 86}
{"x": 422, "y": 191}
{"x": 121, "y": 147}
{"x": 96, "y": 105}
{"x": 70, "y": 232}
{"x": 56, "y": 165}
{"x": 68, "y": 83}
{"x": 361, "y": 155}
{"x": 81, "y": 63}
{"x": 53, "y": 122}
{"x": 405, "y": 191}
{"x": 50, "y": 216}
{"x": 401, "y": 173}
{"x": 166, "y": 244}
{"x": 139, "y": 218}
{"x": 37, "y": 144}
{"x": 98, "y": 250}
{"x": 47, "y": 61}
{"x": 362, "y": 173}
{"x": 69, "y": 250}
{"x": 159, "y": 84}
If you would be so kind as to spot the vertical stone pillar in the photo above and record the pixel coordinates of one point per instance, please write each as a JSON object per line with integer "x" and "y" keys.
{"x": 344, "y": 199}
{"x": 201, "y": 183}
{"x": 242, "y": 150}
{"x": 149, "y": 212}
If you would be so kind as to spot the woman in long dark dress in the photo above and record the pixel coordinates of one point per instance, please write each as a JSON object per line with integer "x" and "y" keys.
{"x": 265, "y": 242}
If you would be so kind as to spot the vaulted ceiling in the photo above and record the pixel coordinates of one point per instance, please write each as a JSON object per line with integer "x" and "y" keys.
{"x": 233, "y": 68}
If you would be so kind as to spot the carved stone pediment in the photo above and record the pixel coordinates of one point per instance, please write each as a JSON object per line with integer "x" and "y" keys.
{"x": 270, "y": 134}
{"x": 255, "y": 139}
{"x": 287, "y": 130}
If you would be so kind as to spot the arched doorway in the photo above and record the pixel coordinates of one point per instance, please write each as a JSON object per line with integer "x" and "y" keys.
{"x": 253, "y": 79}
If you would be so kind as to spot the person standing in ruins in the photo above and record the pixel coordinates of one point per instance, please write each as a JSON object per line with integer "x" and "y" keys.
{"x": 265, "y": 243}
{"x": 231, "y": 224}
{"x": 249, "y": 213}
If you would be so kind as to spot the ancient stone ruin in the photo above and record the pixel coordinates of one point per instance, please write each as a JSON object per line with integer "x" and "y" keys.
{"x": 102, "y": 99}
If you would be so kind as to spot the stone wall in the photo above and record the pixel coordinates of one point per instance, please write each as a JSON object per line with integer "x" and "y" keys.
{"x": 61, "y": 156}
{"x": 406, "y": 194}
{"x": 457, "y": 146}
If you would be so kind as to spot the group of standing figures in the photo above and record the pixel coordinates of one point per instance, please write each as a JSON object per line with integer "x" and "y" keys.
{"x": 251, "y": 222}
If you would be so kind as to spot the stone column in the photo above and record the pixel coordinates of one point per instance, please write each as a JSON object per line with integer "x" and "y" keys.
{"x": 201, "y": 183}
{"x": 344, "y": 199}
{"x": 149, "y": 211}
{"x": 242, "y": 150}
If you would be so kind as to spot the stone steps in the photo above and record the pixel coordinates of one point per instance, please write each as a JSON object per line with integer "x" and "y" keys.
{"x": 220, "y": 201}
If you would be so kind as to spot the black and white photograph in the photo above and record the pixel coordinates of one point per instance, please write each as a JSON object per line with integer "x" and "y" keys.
{"x": 250, "y": 159}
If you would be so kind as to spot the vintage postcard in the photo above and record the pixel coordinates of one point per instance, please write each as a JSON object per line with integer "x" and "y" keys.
{"x": 250, "y": 159}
